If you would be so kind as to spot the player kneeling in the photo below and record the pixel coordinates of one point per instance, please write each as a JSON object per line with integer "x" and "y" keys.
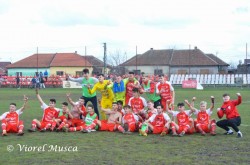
{"x": 10, "y": 120}
{"x": 159, "y": 123}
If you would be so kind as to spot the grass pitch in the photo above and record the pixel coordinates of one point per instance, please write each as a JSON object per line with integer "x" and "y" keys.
{"x": 116, "y": 148}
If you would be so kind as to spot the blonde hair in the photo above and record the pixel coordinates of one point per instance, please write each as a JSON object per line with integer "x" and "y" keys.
{"x": 203, "y": 103}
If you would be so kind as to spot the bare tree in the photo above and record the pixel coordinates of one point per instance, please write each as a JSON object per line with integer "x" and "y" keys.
{"x": 117, "y": 57}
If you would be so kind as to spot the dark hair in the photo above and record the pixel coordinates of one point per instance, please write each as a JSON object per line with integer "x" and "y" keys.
{"x": 82, "y": 97}
{"x": 127, "y": 106}
{"x": 91, "y": 106}
{"x": 52, "y": 100}
{"x": 65, "y": 103}
{"x": 180, "y": 105}
{"x": 85, "y": 71}
{"x": 100, "y": 75}
{"x": 131, "y": 72}
{"x": 120, "y": 102}
{"x": 135, "y": 90}
{"x": 226, "y": 94}
{"x": 13, "y": 104}
{"x": 114, "y": 103}
{"x": 161, "y": 75}
{"x": 159, "y": 105}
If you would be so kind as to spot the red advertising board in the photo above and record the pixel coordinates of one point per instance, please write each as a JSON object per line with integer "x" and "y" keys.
{"x": 189, "y": 84}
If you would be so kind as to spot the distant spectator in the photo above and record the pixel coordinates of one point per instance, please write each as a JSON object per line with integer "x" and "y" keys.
{"x": 41, "y": 74}
{"x": 37, "y": 82}
{"x": 41, "y": 82}
{"x": 45, "y": 74}
{"x": 33, "y": 82}
{"x": 17, "y": 82}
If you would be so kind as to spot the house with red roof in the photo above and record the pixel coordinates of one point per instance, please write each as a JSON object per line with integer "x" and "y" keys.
{"x": 171, "y": 61}
{"x": 54, "y": 63}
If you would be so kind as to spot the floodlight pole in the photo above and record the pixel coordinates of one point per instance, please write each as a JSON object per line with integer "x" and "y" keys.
{"x": 136, "y": 60}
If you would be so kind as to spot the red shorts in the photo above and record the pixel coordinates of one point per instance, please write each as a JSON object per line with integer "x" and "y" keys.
{"x": 131, "y": 127}
{"x": 187, "y": 127}
{"x": 158, "y": 129}
{"x": 13, "y": 128}
{"x": 62, "y": 118}
{"x": 44, "y": 124}
{"x": 107, "y": 126}
{"x": 163, "y": 103}
{"x": 204, "y": 127}
{"x": 76, "y": 122}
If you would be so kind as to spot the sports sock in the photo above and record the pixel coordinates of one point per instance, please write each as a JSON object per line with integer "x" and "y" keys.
{"x": 33, "y": 124}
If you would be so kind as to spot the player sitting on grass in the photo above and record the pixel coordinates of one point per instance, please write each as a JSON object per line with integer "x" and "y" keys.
{"x": 64, "y": 117}
{"x": 114, "y": 120}
{"x": 203, "y": 124}
{"x": 50, "y": 113}
{"x": 184, "y": 123}
{"x": 129, "y": 120}
{"x": 10, "y": 120}
{"x": 91, "y": 116}
{"x": 78, "y": 114}
{"x": 232, "y": 115}
{"x": 159, "y": 123}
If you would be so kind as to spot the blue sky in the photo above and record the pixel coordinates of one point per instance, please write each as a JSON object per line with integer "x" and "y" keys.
{"x": 219, "y": 27}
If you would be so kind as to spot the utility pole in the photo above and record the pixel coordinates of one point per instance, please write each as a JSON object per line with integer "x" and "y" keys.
{"x": 85, "y": 55}
{"x": 136, "y": 60}
{"x": 246, "y": 65}
{"x": 189, "y": 59}
{"x": 37, "y": 60}
{"x": 105, "y": 57}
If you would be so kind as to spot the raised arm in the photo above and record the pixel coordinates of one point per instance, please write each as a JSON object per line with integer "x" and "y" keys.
{"x": 39, "y": 97}
{"x": 79, "y": 80}
{"x": 212, "y": 103}
{"x": 25, "y": 103}
{"x": 190, "y": 106}
{"x": 69, "y": 99}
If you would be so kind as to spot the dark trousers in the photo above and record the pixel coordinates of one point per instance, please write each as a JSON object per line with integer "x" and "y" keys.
{"x": 156, "y": 103}
{"x": 234, "y": 123}
{"x": 93, "y": 100}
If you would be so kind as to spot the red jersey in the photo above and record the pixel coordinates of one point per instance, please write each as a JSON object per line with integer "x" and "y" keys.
{"x": 159, "y": 120}
{"x": 164, "y": 90}
{"x": 229, "y": 108}
{"x": 203, "y": 117}
{"x": 49, "y": 114}
{"x": 137, "y": 104}
{"x": 12, "y": 116}
{"x": 84, "y": 111}
{"x": 182, "y": 117}
{"x": 129, "y": 87}
{"x": 128, "y": 118}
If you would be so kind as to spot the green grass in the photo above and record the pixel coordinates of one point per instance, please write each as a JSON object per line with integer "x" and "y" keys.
{"x": 116, "y": 148}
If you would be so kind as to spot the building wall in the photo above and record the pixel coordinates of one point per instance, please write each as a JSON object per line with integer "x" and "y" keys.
{"x": 69, "y": 70}
{"x": 26, "y": 71}
{"x": 194, "y": 70}
{"x": 149, "y": 69}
